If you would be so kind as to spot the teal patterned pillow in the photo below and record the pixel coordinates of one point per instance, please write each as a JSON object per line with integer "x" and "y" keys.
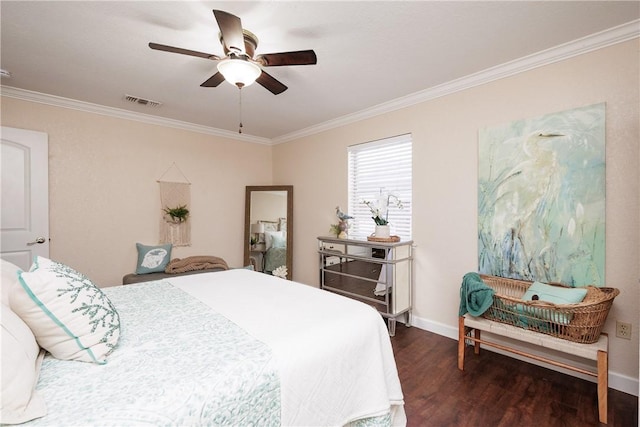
{"x": 153, "y": 259}
{"x": 278, "y": 242}
{"x": 554, "y": 294}
{"x": 70, "y": 317}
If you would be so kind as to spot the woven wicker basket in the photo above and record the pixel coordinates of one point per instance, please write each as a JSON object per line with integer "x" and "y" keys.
{"x": 580, "y": 322}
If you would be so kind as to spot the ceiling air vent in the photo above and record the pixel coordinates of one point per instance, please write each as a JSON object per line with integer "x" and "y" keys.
{"x": 142, "y": 101}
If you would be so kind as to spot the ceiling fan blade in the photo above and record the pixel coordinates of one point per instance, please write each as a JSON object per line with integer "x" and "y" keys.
{"x": 231, "y": 30}
{"x": 300, "y": 57}
{"x": 172, "y": 49}
{"x": 213, "y": 81}
{"x": 270, "y": 83}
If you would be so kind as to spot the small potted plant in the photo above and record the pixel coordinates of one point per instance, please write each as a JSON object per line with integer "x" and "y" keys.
{"x": 380, "y": 212}
{"x": 178, "y": 214}
{"x": 341, "y": 228}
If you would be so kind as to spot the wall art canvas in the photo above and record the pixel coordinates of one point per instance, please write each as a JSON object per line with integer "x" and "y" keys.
{"x": 541, "y": 198}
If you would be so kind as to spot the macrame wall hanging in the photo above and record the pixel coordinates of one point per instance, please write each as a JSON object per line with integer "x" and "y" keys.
{"x": 175, "y": 212}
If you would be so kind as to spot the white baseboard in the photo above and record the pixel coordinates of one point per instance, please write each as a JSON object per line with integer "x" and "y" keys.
{"x": 617, "y": 381}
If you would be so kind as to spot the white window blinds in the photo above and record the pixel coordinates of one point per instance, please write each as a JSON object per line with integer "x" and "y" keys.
{"x": 375, "y": 168}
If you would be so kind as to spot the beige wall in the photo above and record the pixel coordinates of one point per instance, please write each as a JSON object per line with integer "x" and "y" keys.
{"x": 268, "y": 206}
{"x": 445, "y": 138}
{"x": 104, "y": 196}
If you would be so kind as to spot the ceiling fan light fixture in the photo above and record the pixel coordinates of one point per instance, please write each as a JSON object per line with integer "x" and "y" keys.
{"x": 239, "y": 72}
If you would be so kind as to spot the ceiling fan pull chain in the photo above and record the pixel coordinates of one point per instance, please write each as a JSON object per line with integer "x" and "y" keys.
{"x": 240, "y": 108}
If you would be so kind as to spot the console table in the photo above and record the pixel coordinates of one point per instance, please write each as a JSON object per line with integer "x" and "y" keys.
{"x": 376, "y": 273}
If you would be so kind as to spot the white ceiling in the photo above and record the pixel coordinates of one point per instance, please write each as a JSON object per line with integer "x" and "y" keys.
{"x": 370, "y": 53}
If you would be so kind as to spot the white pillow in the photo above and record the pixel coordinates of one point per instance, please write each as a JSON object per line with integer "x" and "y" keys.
{"x": 21, "y": 360}
{"x": 268, "y": 237}
{"x": 69, "y": 316}
{"x": 8, "y": 279}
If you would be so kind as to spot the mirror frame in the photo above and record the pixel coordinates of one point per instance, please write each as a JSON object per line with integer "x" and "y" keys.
{"x": 247, "y": 221}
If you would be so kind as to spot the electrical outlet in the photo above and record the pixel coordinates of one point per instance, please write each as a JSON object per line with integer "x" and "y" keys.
{"x": 623, "y": 330}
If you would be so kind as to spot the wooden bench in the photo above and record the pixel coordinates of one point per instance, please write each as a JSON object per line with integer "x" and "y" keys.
{"x": 149, "y": 277}
{"x": 597, "y": 351}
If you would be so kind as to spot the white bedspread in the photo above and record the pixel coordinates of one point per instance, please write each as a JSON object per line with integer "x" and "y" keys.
{"x": 305, "y": 327}
{"x": 178, "y": 363}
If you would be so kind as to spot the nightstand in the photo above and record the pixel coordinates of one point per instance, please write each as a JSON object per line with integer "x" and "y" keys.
{"x": 257, "y": 252}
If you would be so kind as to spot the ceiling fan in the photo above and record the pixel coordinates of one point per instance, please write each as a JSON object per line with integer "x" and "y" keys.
{"x": 239, "y": 66}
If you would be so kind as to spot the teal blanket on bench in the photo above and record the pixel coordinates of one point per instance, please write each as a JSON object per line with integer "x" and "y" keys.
{"x": 475, "y": 296}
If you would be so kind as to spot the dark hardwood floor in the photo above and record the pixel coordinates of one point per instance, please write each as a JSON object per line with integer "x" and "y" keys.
{"x": 494, "y": 390}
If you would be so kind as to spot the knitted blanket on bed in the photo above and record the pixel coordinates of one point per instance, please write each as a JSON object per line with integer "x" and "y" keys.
{"x": 192, "y": 263}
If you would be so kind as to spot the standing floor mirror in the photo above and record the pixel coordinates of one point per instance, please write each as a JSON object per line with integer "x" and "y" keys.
{"x": 268, "y": 228}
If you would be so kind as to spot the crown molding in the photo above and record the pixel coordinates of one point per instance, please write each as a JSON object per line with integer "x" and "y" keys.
{"x": 568, "y": 50}
{"x": 58, "y": 101}
{"x": 558, "y": 53}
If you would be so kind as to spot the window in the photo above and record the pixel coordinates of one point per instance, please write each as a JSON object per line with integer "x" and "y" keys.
{"x": 375, "y": 168}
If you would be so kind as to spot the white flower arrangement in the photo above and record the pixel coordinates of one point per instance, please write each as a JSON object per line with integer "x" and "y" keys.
{"x": 380, "y": 208}
{"x": 280, "y": 272}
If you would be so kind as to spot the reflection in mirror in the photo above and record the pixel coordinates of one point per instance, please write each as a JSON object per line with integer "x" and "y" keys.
{"x": 268, "y": 228}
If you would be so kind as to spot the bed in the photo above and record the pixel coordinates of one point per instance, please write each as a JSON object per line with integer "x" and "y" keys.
{"x": 230, "y": 348}
{"x": 274, "y": 258}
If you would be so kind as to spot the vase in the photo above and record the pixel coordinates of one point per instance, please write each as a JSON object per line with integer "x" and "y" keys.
{"x": 382, "y": 231}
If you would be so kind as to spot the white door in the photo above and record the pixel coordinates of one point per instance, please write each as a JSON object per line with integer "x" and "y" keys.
{"x": 24, "y": 201}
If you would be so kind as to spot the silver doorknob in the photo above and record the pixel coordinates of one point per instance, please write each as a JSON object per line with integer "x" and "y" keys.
{"x": 39, "y": 240}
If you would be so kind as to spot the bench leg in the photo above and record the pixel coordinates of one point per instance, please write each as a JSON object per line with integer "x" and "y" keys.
{"x": 476, "y": 343}
{"x": 461, "y": 342}
{"x": 603, "y": 385}
{"x": 462, "y": 337}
